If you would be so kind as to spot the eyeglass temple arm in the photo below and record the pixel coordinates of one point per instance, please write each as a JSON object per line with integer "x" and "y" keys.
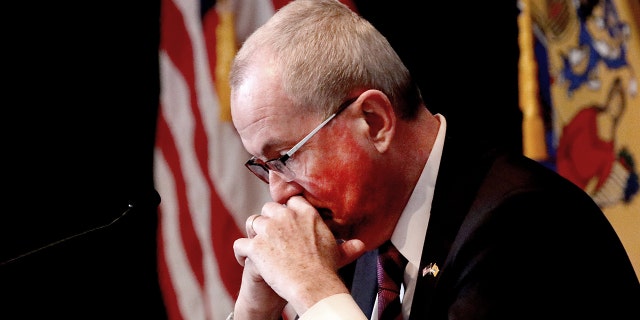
{"x": 311, "y": 134}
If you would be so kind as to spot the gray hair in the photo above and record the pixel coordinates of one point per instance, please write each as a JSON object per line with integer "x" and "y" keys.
{"x": 324, "y": 52}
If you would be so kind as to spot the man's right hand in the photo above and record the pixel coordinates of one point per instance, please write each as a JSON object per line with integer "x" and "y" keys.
{"x": 256, "y": 299}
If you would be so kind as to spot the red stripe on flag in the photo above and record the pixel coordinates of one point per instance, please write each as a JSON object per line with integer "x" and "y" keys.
{"x": 209, "y": 24}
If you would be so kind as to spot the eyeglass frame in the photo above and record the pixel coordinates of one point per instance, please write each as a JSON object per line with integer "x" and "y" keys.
{"x": 279, "y": 165}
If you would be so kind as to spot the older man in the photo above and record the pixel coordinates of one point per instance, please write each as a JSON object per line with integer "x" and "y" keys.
{"x": 357, "y": 164}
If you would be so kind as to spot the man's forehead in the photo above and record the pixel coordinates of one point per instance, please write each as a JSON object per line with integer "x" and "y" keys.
{"x": 264, "y": 116}
{"x": 262, "y": 119}
{"x": 258, "y": 95}
{"x": 266, "y": 129}
{"x": 256, "y": 103}
{"x": 270, "y": 140}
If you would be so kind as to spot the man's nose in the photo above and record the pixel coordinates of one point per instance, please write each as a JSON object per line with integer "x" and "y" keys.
{"x": 280, "y": 189}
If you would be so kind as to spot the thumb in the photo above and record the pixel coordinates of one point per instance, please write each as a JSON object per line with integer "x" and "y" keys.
{"x": 350, "y": 250}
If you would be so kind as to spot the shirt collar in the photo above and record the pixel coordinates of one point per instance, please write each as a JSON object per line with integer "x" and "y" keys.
{"x": 410, "y": 231}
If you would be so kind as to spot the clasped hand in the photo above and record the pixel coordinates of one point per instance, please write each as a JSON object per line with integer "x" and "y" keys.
{"x": 289, "y": 255}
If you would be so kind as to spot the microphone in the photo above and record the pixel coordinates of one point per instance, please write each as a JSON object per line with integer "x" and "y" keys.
{"x": 151, "y": 200}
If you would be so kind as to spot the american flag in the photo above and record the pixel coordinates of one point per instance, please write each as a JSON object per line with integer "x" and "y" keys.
{"x": 207, "y": 194}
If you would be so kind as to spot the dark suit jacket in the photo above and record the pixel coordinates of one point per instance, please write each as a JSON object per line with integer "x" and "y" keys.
{"x": 513, "y": 240}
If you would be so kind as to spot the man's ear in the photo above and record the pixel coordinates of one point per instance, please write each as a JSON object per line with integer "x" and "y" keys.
{"x": 380, "y": 118}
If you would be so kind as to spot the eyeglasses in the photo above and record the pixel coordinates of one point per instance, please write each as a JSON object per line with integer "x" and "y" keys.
{"x": 261, "y": 168}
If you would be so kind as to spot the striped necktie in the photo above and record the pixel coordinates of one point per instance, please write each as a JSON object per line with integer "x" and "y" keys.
{"x": 391, "y": 266}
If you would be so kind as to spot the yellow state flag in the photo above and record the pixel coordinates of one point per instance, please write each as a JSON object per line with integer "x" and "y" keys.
{"x": 579, "y": 74}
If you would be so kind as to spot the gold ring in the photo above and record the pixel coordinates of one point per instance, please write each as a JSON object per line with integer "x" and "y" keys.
{"x": 252, "y": 221}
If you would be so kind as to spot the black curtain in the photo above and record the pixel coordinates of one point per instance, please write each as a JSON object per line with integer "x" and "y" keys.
{"x": 82, "y": 89}
{"x": 464, "y": 56}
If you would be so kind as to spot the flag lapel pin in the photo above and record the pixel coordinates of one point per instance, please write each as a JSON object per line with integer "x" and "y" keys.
{"x": 431, "y": 269}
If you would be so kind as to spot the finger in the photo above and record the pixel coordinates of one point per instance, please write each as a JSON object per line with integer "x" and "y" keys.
{"x": 240, "y": 251}
{"x": 273, "y": 209}
{"x": 249, "y": 225}
{"x": 302, "y": 207}
{"x": 299, "y": 204}
{"x": 350, "y": 250}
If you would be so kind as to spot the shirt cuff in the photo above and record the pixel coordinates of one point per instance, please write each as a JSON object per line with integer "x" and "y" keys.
{"x": 338, "y": 306}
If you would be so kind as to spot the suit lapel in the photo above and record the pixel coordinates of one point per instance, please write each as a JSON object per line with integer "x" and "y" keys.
{"x": 461, "y": 171}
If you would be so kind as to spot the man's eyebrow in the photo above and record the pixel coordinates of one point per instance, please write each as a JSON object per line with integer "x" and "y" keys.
{"x": 272, "y": 147}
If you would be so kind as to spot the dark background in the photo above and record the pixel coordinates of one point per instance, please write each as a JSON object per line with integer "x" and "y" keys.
{"x": 81, "y": 96}
{"x": 82, "y": 90}
{"x": 464, "y": 56}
